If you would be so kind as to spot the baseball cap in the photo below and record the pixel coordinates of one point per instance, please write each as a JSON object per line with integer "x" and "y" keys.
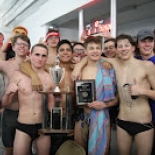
{"x": 144, "y": 33}
{"x": 52, "y": 34}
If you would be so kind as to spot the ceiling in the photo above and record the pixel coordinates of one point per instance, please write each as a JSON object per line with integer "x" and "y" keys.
{"x": 127, "y": 11}
{"x": 14, "y": 11}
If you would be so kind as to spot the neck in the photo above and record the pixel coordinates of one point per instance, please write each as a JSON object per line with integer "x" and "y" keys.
{"x": 20, "y": 59}
{"x": 65, "y": 65}
{"x": 53, "y": 49}
{"x": 37, "y": 70}
{"x": 146, "y": 57}
{"x": 129, "y": 61}
{"x": 92, "y": 63}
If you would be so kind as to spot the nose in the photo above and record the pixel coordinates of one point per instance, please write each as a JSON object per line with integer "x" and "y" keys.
{"x": 40, "y": 58}
{"x": 147, "y": 43}
{"x": 65, "y": 51}
{"x": 123, "y": 47}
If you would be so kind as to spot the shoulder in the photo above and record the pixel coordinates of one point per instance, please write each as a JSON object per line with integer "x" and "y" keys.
{"x": 147, "y": 64}
{"x": 110, "y": 60}
{"x": 18, "y": 73}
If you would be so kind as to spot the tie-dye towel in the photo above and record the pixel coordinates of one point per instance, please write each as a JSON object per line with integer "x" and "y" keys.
{"x": 99, "y": 119}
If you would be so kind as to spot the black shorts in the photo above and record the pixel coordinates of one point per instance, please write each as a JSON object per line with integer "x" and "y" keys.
{"x": 9, "y": 123}
{"x": 134, "y": 128}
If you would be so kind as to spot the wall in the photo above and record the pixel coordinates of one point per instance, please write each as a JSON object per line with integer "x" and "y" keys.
{"x": 132, "y": 28}
{"x": 70, "y": 34}
{"x": 56, "y": 8}
{"x": 51, "y": 10}
{"x": 35, "y": 30}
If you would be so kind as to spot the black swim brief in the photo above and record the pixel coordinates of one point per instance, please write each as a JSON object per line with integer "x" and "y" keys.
{"x": 30, "y": 129}
{"x": 134, "y": 128}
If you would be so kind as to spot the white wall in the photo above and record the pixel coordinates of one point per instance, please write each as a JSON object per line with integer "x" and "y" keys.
{"x": 56, "y": 8}
{"x": 70, "y": 34}
{"x": 35, "y": 30}
{"x": 133, "y": 28}
{"x": 51, "y": 10}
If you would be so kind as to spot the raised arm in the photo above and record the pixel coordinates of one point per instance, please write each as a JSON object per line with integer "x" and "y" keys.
{"x": 76, "y": 74}
{"x": 5, "y": 46}
{"x": 77, "y": 68}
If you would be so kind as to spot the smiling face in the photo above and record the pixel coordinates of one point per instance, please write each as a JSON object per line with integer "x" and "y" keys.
{"x": 124, "y": 49}
{"x": 65, "y": 52}
{"x": 109, "y": 49}
{"x": 146, "y": 47}
{"x": 94, "y": 51}
{"x": 20, "y": 47}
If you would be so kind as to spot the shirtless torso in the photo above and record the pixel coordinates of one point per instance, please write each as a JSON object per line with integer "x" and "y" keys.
{"x": 134, "y": 118}
{"x": 10, "y": 112}
{"x": 51, "y": 56}
{"x": 30, "y": 104}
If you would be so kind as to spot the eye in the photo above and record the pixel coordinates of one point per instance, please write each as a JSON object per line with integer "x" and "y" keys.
{"x": 61, "y": 49}
{"x": 98, "y": 48}
{"x": 68, "y": 49}
{"x": 36, "y": 54}
{"x": 44, "y": 56}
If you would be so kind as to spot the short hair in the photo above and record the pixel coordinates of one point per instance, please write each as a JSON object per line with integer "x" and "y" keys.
{"x": 78, "y": 43}
{"x": 92, "y": 39}
{"x": 64, "y": 41}
{"x": 39, "y": 45}
{"x": 20, "y": 36}
{"x": 110, "y": 39}
{"x": 125, "y": 36}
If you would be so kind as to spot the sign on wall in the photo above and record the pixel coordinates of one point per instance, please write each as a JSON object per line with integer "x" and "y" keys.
{"x": 98, "y": 27}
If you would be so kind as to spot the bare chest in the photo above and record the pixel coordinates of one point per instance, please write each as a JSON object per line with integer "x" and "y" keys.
{"x": 130, "y": 76}
{"x": 67, "y": 81}
{"x": 89, "y": 73}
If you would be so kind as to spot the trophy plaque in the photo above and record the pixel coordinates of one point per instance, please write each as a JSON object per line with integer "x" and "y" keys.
{"x": 57, "y": 74}
{"x": 85, "y": 91}
{"x": 56, "y": 118}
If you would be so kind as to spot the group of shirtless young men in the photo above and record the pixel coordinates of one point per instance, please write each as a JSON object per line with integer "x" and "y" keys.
{"x": 134, "y": 120}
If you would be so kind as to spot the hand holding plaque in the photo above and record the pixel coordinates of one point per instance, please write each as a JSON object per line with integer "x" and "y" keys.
{"x": 85, "y": 91}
